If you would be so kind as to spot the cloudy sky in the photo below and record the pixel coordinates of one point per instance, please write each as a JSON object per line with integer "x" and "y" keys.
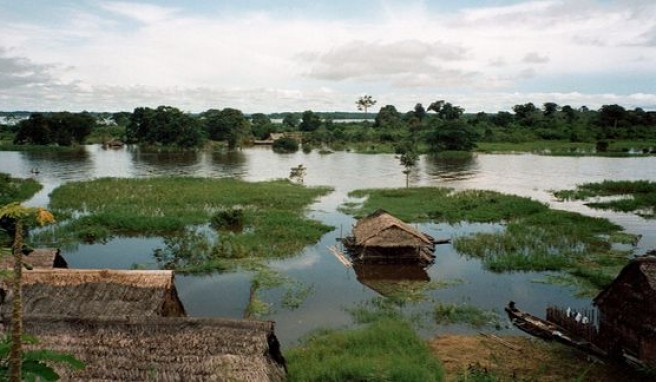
{"x": 294, "y": 55}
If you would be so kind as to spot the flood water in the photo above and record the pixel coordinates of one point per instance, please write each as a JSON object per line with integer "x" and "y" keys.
{"x": 335, "y": 288}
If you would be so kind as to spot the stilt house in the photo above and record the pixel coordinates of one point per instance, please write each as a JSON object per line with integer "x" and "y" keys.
{"x": 381, "y": 237}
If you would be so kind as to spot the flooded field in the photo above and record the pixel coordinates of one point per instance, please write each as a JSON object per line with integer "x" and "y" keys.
{"x": 334, "y": 288}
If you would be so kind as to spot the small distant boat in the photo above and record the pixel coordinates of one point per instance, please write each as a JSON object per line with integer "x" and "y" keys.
{"x": 114, "y": 144}
{"x": 35, "y": 170}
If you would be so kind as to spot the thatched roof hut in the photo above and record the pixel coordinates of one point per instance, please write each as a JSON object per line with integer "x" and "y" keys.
{"x": 627, "y": 311}
{"x": 162, "y": 348}
{"x": 381, "y": 235}
{"x": 41, "y": 258}
{"x": 87, "y": 293}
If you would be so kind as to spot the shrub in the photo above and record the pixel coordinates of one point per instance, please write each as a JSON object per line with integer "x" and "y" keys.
{"x": 285, "y": 145}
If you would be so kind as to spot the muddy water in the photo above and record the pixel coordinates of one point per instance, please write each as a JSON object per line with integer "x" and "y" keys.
{"x": 334, "y": 287}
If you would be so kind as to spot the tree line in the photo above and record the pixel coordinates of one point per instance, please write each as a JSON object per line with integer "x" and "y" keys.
{"x": 440, "y": 126}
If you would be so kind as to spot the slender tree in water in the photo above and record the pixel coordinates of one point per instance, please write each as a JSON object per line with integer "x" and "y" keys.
{"x": 365, "y": 102}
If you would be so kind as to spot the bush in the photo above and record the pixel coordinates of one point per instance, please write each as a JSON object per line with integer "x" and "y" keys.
{"x": 285, "y": 145}
{"x": 228, "y": 219}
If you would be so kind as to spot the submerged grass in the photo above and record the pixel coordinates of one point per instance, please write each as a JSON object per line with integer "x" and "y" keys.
{"x": 535, "y": 238}
{"x": 640, "y": 196}
{"x": 272, "y": 210}
{"x": 446, "y": 314}
{"x": 385, "y": 350}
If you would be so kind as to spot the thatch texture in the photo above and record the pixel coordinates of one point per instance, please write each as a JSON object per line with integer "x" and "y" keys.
{"x": 41, "y": 258}
{"x": 163, "y": 348}
{"x": 627, "y": 311}
{"x": 88, "y": 293}
{"x": 383, "y": 230}
{"x": 381, "y": 237}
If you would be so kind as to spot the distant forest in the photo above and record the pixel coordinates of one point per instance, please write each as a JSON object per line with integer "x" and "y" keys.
{"x": 441, "y": 126}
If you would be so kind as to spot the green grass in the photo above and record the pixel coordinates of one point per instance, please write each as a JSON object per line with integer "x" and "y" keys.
{"x": 640, "y": 196}
{"x": 386, "y": 350}
{"x": 535, "y": 238}
{"x": 443, "y": 204}
{"x": 273, "y": 213}
{"x": 446, "y": 314}
{"x": 17, "y": 189}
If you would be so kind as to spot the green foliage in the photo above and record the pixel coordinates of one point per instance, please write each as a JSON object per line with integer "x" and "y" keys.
{"x": 309, "y": 121}
{"x": 166, "y": 125}
{"x": 261, "y": 125}
{"x": 446, "y": 314}
{"x": 386, "y": 350}
{"x": 16, "y": 189}
{"x": 453, "y": 135}
{"x": 285, "y": 145}
{"x": 228, "y": 125}
{"x": 36, "y": 364}
{"x": 63, "y": 129}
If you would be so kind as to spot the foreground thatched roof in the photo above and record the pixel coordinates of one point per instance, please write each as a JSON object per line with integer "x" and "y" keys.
{"x": 97, "y": 293}
{"x": 381, "y": 229}
{"x": 41, "y": 258}
{"x": 638, "y": 278}
{"x": 162, "y": 348}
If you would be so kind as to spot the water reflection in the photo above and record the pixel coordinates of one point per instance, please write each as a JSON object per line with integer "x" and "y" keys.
{"x": 399, "y": 281}
{"x": 458, "y": 168}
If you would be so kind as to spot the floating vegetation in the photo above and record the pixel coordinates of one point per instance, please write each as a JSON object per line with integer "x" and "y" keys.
{"x": 636, "y": 196}
{"x": 272, "y": 210}
{"x": 447, "y": 314}
{"x": 535, "y": 238}
{"x": 385, "y": 350}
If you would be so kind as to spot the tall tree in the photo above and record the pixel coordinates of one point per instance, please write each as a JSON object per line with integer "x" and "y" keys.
{"x": 226, "y": 125}
{"x": 365, "y": 102}
{"x": 387, "y": 116}
{"x": 310, "y": 121}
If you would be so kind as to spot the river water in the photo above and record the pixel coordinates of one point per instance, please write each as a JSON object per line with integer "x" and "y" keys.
{"x": 335, "y": 288}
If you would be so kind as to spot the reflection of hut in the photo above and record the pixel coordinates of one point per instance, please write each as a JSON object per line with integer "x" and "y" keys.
{"x": 42, "y": 258}
{"x": 627, "y": 312}
{"x": 381, "y": 237}
{"x": 161, "y": 348}
{"x": 392, "y": 280}
{"x": 85, "y": 293}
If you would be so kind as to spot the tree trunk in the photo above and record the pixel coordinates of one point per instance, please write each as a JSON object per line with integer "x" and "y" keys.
{"x": 15, "y": 356}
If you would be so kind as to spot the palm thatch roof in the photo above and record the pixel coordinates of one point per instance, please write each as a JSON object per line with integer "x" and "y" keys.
{"x": 382, "y": 230}
{"x": 162, "y": 348}
{"x": 41, "y": 258}
{"x": 80, "y": 293}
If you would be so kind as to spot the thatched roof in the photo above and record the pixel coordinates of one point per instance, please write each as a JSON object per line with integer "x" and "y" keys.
{"x": 163, "y": 348}
{"x": 41, "y": 258}
{"x": 82, "y": 293}
{"x": 637, "y": 277}
{"x": 380, "y": 229}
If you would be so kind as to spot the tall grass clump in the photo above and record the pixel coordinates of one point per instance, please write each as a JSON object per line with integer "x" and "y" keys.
{"x": 16, "y": 189}
{"x": 386, "y": 350}
{"x": 446, "y": 314}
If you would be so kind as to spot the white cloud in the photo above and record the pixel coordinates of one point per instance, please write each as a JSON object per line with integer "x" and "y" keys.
{"x": 123, "y": 55}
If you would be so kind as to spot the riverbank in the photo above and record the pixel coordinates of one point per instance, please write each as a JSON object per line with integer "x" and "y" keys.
{"x": 515, "y": 358}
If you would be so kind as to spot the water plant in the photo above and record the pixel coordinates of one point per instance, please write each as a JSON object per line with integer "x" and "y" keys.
{"x": 385, "y": 350}
{"x": 636, "y": 196}
{"x": 16, "y": 189}
{"x": 446, "y": 314}
{"x": 166, "y": 206}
